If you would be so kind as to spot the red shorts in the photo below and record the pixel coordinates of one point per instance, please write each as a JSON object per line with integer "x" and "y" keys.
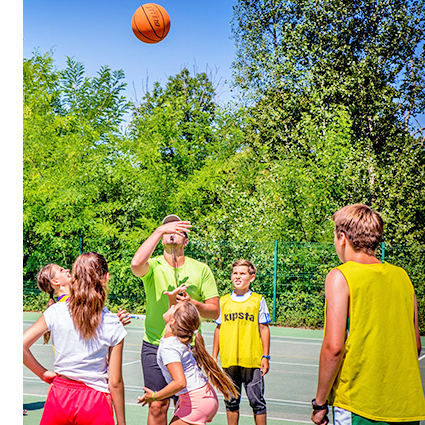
{"x": 72, "y": 402}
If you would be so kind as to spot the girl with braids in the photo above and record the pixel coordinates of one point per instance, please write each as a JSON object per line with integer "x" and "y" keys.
{"x": 84, "y": 333}
{"x": 198, "y": 402}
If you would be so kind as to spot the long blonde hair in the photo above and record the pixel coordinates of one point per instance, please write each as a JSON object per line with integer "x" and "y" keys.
{"x": 187, "y": 322}
{"x": 44, "y": 282}
{"x": 87, "y": 293}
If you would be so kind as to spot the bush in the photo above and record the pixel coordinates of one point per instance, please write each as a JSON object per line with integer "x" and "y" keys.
{"x": 301, "y": 272}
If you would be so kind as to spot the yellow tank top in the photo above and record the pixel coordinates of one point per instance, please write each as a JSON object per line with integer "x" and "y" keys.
{"x": 240, "y": 341}
{"x": 380, "y": 378}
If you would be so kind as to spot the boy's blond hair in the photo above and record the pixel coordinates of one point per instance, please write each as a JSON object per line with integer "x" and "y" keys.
{"x": 362, "y": 226}
{"x": 246, "y": 263}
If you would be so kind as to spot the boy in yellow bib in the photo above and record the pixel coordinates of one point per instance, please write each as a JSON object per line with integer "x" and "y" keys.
{"x": 368, "y": 369}
{"x": 243, "y": 338}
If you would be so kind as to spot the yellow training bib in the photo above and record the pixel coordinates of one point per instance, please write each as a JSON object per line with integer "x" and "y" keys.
{"x": 240, "y": 341}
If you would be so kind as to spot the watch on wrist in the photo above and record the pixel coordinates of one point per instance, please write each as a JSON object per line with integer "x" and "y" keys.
{"x": 317, "y": 407}
{"x": 267, "y": 357}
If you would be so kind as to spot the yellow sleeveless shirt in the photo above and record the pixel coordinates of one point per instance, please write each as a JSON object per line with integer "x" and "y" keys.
{"x": 240, "y": 341}
{"x": 380, "y": 378}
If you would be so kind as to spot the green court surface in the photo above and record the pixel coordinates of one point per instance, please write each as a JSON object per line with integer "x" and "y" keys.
{"x": 290, "y": 384}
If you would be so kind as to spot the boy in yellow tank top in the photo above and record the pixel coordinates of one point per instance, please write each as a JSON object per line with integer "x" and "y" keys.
{"x": 368, "y": 369}
{"x": 242, "y": 337}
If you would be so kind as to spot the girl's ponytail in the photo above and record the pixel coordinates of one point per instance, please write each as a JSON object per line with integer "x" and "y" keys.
{"x": 215, "y": 375}
{"x": 187, "y": 322}
{"x": 44, "y": 279}
{"x": 87, "y": 293}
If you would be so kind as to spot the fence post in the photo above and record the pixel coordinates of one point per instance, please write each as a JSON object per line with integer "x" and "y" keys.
{"x": 81, "y": 244}
{"x": 382, "y": 252}
{"x": 274, "y": 280}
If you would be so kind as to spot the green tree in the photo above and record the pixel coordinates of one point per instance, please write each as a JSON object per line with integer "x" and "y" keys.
{"x": 180, "y": 139}
{"x": 288, "y": 199}
{"x": 72, "y": 151}
{"x": 367, "y": 56}
{"x": 300, "y": 62}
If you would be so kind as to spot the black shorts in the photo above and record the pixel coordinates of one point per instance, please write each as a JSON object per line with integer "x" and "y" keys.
{"x": 254, "y": 387}
{"x": 152, "y": 374}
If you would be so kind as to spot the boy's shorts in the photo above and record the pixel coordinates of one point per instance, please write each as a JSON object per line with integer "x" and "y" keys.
{"x": 197, "y": 406}
{"x": 254, "y": 387}
{"x": 344, "y": 417}
{"x": 72, "y": 402}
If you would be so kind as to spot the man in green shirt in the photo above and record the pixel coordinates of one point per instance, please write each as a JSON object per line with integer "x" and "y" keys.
{"x": 166, "y": 273}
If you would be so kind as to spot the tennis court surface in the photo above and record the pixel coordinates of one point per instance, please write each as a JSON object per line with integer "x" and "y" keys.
{"x": 290, "y": 384}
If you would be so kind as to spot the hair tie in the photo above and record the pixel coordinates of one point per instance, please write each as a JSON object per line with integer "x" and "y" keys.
{"x": 195, "y": 332}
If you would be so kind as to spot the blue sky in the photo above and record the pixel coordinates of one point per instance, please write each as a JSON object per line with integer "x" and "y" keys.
{"x": 99, "y": 33}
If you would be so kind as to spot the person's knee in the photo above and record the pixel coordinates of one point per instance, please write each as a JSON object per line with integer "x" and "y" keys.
{"x": 234, "y": 408}
{"x": 158, "y": 409}
{"x": 232, "y": 405}
{"x": 255, "y": 394}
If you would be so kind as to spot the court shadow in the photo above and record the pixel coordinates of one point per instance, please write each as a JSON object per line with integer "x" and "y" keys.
{"x": 37, "y": 405}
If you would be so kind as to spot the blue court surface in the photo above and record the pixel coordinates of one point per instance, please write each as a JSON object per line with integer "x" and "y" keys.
{"x": 290, "y": 384}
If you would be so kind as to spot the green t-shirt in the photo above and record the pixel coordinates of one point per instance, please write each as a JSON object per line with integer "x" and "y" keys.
{"x": 161, "y": 277}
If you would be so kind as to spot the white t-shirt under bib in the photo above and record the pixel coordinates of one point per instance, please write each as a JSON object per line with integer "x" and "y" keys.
{"x": 263, "y": 313}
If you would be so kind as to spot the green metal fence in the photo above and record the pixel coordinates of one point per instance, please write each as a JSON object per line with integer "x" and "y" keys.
{"x": 289, "y": 275}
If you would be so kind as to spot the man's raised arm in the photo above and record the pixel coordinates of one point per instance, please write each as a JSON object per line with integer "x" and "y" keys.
{"x": 139, "y": 263}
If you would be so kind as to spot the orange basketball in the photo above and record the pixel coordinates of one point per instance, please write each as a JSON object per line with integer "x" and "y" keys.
{"x": 150, "y": 23}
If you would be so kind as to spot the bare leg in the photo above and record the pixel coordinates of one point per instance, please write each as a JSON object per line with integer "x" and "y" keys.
{"x": 260, "y": 419}
{"x": 157, "y": 414}
{"x": 232, "y": 417}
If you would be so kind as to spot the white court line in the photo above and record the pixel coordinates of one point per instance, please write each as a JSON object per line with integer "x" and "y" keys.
{"x": 270, "y": 418}
{"x": 220, "y": 397}
{"x": 422, "y": 357}
{"x": 49, "y": 346}
{"x": 297, "y": 337}
{"x": 218, "y": 413}
{"x": 277, "y": 337}
{"x": 298, "y": 342}
{"x": 33, "y": 378}
{"x": 273, "y": 337}
{"x": 304, "y": 403}
{"x": 295, "y": 364}
{"x": 209, "y": 346}
{"x": 34, "y": 395}
{"x": 126, "y": 364}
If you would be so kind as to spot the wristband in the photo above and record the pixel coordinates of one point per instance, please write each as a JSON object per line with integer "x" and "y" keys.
{"x": 153, "y": 396}
{"x": 266, "y": 357}
{"x": 317, "y": 407}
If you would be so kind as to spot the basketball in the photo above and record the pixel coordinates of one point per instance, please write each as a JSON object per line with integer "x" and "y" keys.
{"x": 150, "y": 23}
